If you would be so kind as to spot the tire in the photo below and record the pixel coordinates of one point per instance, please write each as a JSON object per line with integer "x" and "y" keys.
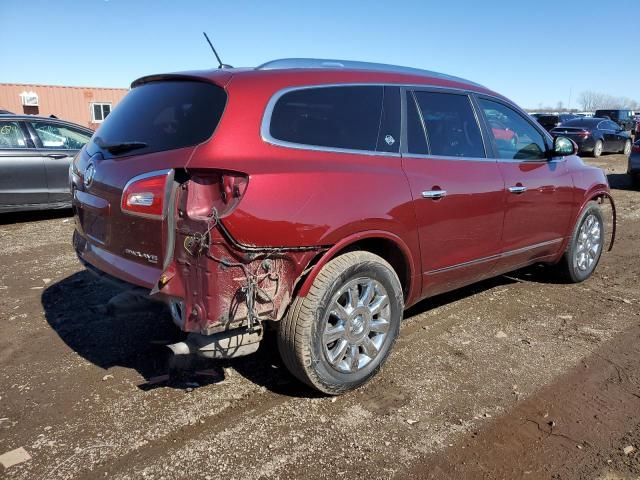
{"x": 597, "y": 149}
{"x": 576, "y": 266}
{"x": 323, "y": 361}
{"x": 627, "y": 148}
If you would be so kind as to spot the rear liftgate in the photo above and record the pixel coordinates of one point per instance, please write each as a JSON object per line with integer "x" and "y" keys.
{"x": 219, "y": 290}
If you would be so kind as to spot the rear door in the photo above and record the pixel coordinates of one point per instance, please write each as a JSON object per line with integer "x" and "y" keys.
{"x": 457, "y": 191}
{"x": 57, "y": 143}
{"x": 538, "y": 198}
{"x": 23, "y": 181}
{"x": 611, "y": 134}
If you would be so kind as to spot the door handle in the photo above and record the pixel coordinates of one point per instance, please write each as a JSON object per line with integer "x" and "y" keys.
{"x": 57, "y": 155}
{"x": 518, "y": 189}
{"x": 434, "y": 194}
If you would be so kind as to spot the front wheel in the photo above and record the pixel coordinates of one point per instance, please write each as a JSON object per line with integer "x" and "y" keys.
{"x": 338, "y": 336}
{"x": 585, "y": 246}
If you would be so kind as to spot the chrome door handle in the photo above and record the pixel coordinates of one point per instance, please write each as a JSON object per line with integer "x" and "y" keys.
{"x": 518, "y": 189}
{"x": 434, "y": 194}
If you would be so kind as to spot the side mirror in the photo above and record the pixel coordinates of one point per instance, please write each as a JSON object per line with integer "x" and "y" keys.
{"x": 563, "y": 147}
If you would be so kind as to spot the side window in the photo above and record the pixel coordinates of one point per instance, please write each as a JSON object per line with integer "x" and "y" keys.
{"x": 514, "y": 136}
{"x": 11, "y": 135}
{"x": 338, "y": 117}
{"x": 59, "y": 137}
{"x": 416, "y": 140}
{"x": 452, "y": 128}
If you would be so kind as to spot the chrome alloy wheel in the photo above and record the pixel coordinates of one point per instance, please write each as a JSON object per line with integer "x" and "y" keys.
{"x": 356, "y": 325}
{"x": 589, "y": 243}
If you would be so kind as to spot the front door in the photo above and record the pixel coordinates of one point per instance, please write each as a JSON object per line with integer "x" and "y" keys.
{"x": 57, "y": 144}
{"x": 23, "y": 181}
{"x": 538, "y": 193}
{"x": 457, "y": 191}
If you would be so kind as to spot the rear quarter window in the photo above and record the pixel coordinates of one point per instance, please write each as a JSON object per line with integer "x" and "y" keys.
{"x": 165, "y": 115}
{"x": 345, "y": 117}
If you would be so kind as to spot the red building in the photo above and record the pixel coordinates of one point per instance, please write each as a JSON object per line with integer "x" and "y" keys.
{"x": 86, "y": 106}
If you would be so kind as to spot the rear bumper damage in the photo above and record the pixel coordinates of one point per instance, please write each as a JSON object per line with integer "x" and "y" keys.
{"x": 211, "y": 283}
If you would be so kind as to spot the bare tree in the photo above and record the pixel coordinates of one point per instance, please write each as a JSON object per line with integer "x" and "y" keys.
{"x": 590, "y": 101}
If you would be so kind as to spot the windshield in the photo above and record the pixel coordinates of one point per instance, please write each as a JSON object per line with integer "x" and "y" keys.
{"x": 161, "y": 116}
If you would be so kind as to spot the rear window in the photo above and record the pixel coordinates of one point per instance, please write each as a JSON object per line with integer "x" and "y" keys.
{"x": 349, "y": 117}
{"x": 164, "y": 116}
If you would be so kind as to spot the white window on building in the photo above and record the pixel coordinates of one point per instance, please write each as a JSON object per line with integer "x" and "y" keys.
{"x": 29, "y": 99}
{"x": 99, "y": 111}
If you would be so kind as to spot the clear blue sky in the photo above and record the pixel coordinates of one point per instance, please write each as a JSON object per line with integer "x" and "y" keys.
{"x": 531, "y": 51}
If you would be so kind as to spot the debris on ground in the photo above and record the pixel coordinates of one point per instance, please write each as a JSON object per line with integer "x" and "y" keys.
{"x": 14, "y": 457}
{"x": 628, "y": 449}
{"x": 501, "y": 334}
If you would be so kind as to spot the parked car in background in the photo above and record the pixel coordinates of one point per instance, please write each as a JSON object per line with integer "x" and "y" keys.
{"x": 624, "y": 118}
{"x": 35, "y": 155}
{"x": 283, "y": 196}
{"x": 595, "y": 136}
{"x": 549, "y": 121}
{"x": 633, "y": 167}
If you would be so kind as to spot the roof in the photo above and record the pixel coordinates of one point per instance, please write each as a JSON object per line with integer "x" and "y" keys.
{"x": 17, "y": 117}
{"x": 40, "y": 85}
{"x": 310, "y": 70}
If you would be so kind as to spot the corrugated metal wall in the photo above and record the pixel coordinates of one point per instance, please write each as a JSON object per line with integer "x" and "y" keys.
{"x": 67, "y": 103}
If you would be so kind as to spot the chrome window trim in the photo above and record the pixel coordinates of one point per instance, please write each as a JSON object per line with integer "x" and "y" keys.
{"x": 265, "y": 132}
{"x": 497, "y": 256}
{"x": 266, "y": 121}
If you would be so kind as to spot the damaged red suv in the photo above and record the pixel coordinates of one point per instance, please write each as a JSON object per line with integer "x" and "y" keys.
{"x": 323, "y": 198}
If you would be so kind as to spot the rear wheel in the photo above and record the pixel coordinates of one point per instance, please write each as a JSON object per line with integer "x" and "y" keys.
{"x": 585, "y": 247}
{"x": 338, "y": 336}
{"x": 627, "y": 148}
{"x": 597, "y": 149}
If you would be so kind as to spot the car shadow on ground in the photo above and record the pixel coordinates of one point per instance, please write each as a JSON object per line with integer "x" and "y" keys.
{"x": 620, "y": 181}
{"x": 75, "y": 309}
{"x": 33, "y": 216}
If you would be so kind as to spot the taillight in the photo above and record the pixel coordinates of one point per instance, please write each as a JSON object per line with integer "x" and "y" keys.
{"x": 144, "y": 195}
{"x": 636, "y": 148}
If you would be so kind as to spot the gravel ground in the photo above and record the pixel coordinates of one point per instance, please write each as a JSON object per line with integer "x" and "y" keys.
{"x": 514, "y": 377}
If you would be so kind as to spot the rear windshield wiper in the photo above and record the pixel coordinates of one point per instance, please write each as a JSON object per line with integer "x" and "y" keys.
{"x": 121, "y": 147}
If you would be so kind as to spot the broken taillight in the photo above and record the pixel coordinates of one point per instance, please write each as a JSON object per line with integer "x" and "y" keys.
{"x": 211, "y": 189}
{"x": 144, "y": 195}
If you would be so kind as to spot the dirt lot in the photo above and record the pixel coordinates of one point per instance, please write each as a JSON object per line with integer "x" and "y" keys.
{"x": 515, "y": 377}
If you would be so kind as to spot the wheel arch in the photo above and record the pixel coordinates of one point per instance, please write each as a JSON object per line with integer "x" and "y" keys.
{"x": 597, "y": 193}
{"x": 386, "y": 245}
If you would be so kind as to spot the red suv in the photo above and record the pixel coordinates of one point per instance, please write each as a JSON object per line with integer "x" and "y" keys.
{"x": 323, "y": 198}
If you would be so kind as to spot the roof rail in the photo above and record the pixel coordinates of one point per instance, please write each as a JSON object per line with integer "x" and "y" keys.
{"x": 320, "y": 63}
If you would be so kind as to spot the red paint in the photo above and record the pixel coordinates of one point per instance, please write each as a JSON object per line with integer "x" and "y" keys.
{"x": 271, "y": 196}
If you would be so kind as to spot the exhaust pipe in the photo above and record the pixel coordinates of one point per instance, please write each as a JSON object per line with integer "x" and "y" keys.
{"x": 224, "y": 345}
